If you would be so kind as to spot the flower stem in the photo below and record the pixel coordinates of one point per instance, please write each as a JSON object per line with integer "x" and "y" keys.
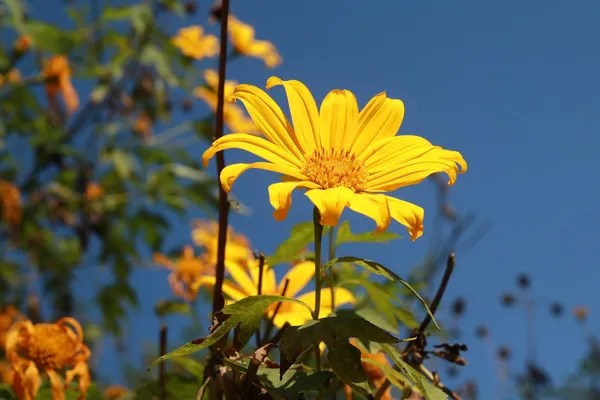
{"x": 331, "y": 271}
{"x": 318, "y": 239}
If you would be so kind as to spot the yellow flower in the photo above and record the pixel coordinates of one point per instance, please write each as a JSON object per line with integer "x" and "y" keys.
{"x": 9, "y": 316}
{"x": 58, "y": 81}
{"x": 244, "y": 283}
{"x": 143, "y": 125}
{"x": 345, "y": 158}
{"x": 374, "y": 373}
{"x": 185, "y": 271}
{"x": 49, "y": 348}
{"x": 233, "y": 116}
{"x": 22, "y": 44}
{"x": 93, "y": 191}
{"x": 242, "y": 38}
{"x": 194, "y": 44}
{"x": 114, "y": 392}
{"x": 237, "y": 247}
{"x": 10, "y": 203}
{"x": 13, "y": 76}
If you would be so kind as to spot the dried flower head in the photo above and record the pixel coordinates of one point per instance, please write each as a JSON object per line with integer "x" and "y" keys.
{"x": 458, "y": 306}
{"x": 503, "y": 353}
{"x": 524, "y": 281}
{"x": 50, "y": 348}
{"x": 481, "y": 332}
{"x": 556, "y": 309}
{"x": 508, "y": 300}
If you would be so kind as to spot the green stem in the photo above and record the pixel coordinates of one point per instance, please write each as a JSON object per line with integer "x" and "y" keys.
{"x": 318, "y": 239}
{"x": 332, "y": 272}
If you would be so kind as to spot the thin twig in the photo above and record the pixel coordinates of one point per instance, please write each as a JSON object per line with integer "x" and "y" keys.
{"x": 261, "y": 267}
{"x": 440, "y": 292}
{"x": 437, "y": 383}
{"x": 272, "y": 319}
{"x": 162, "y": 378}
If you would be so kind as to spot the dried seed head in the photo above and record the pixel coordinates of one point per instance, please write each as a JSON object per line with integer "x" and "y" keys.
{"x": 556, "y": 309}
{"x": 508, "y": 300}
{"x": 524, "y": 281}
{"x": 458, "y": 307}
{"x": 503, "y": 353}
{"x": 481, "y": 332}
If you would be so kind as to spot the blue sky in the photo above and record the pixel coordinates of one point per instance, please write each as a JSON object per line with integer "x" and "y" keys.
{"x": 513, "y": 86}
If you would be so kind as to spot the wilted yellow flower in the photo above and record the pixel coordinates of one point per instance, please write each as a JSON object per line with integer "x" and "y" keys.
{"x": 374, "y": 374}
{"x": 10, "y": 202}
{"x": 93, "y": 191}
{"x": 343, "y": 157}
{"x": 242, "y": 38}
{"x": 22, "y": 44}
{"x": 48, "y": 348}
{"x": 8, "y": 317}
{"x": 237, "y": 247}
{"x": 194, "y": 44}
{"x": 244, "y": 283}
{"x": 233, "y": 116}
{"x": 58, "y": 81}
{"x": 185, "y": 271}
{"x": 13, "y": 76}
{"x": 114, "y": 392}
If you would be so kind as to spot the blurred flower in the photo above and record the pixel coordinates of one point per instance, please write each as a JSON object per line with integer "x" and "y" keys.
{"x": 524, "y": 281}
{"x": 581, "y": 313}
{"x": 114, "y": 392}
{"x": 10, "y": 203}
{"x": 49, "y": 348}
{"x": 195, "y": 44}
{"x": 12, "y": 76}
{"x": 22, "y": 44}
{"x": 6, "y": 373}
{"x": 373, "y": 372}
{"x": 242, "y": 38}
{"x": 233, "y": 116}
{"x": 458, "y": 306}
{"x": 556, "y": 309}
{"x": 508, "y": 300}
{"x": 205, "y": 235}
{"x": 344, "y": 158}
{"x": 184, "y": 272}
{"x": 143, "y": 125}
{"x": 93, "y": 191}
{"x": 244, "y": 283}
{"x": 503, "y": 353}
{"x": 481, "y": 332}
{"x": 8, "y": 317}
{"x": 58, "y": 81}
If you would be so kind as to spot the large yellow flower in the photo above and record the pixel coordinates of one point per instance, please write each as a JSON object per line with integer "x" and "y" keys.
{"x": 343, "y": 157}
{"x": 243, "y": 40}
{"x": 195, "y": 44}
{"x": 244, "y": 283}
{"x": 233, "y": 116}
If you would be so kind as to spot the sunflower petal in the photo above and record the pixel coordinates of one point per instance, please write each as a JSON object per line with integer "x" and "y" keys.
{"x": 229, "y": 289}
{"x": 294, "y": 314}
{"x": 240, "y": 276}
{"x": 269, "y": 118}
{"x": 303, "y": 109}
{"x": 378, "y": 120}
{"x": 231, "y": 172}
{"x": 253, "y": 144}
{"x": 330, "y": 202}
{"x": 342, "y": 296}
{"x": 297, "y": 277}
{"x": 398, "y": 148}
{"x": 374, "y": 206}
{"x": 339, "y": 119}
{"x": 280, "y": 196}
{"x": 408, "y": 214}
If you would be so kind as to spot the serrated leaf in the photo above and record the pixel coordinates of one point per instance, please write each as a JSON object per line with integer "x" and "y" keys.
{"x": 345, "y": 235}
{"x": 169, "y": 307}
{"x": 427, "y": 389}
{"x": 344, "y": 359}
{"x": 375, "y": 317}
{"x": 244, "y": 315}
{"x": 379, "y": 269}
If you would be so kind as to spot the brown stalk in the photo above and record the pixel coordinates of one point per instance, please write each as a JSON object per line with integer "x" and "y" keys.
{"x": 261, "y": 267}
{"x": 162, "y": 349}
{"x": 271, "y": 323}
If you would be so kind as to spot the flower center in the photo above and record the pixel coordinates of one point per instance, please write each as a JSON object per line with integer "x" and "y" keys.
{"x": 335, "y": 168}
{"x": 50, "y": 347}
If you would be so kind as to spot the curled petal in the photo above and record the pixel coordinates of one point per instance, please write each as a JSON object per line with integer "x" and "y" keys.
{"x": 230, "y": 173}
{"x": 408, "y": 214}
{"x": 374, "y": 206}
{"x": 330, "y": 202}
{"x": 280, "y": 196}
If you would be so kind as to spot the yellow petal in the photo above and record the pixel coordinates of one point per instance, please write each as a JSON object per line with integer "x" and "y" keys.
{"x": 229, "y": 288}
{"x": 342, "y": 296}
{"x": 294, "y": 314}
{"x": 374, "y": 206}
{"x": 303, "y": 109}
{"x": 231, "y": 172}
{"x": 378, "y": 120}
{"x": 240, "y": 276}
{"x": 396, "y": 149}
{"x": 408, "y": 214}
{"x": 330, "y": 202}
{"x": 269, "y": 281}
{"x": 280, "y": 196}
{"x": 253, "y": 144}
{"x": 269, "y": 118}
{"x": 339, "y": 119}
{"x": 298, "y": 277}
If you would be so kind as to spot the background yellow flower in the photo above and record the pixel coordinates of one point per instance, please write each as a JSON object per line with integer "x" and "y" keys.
{"x": 195, "y": 44}
{"x": 243, "y": 40}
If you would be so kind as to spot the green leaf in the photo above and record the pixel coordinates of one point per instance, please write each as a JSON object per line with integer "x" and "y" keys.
{"x": 427, "y": 389}
{"x": 6, "y": 392}
{"x": 50, "y": 38}
{"x": 344, "y": 359}
{"x": 291, "y": 249}
{"x": 345, "y": 235}
{"x": 169, "y": 307}
{"x": 153, "y": 56}
{"x": 376, "y": 318}
{"x": 395, "y": 377}
{"x": 244, "y": 315}
{"x": 379, "y": 269}
{"x": 186, "y": 172}
{"x": 190, "y": 365}
{"x": 124, "y": 163}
